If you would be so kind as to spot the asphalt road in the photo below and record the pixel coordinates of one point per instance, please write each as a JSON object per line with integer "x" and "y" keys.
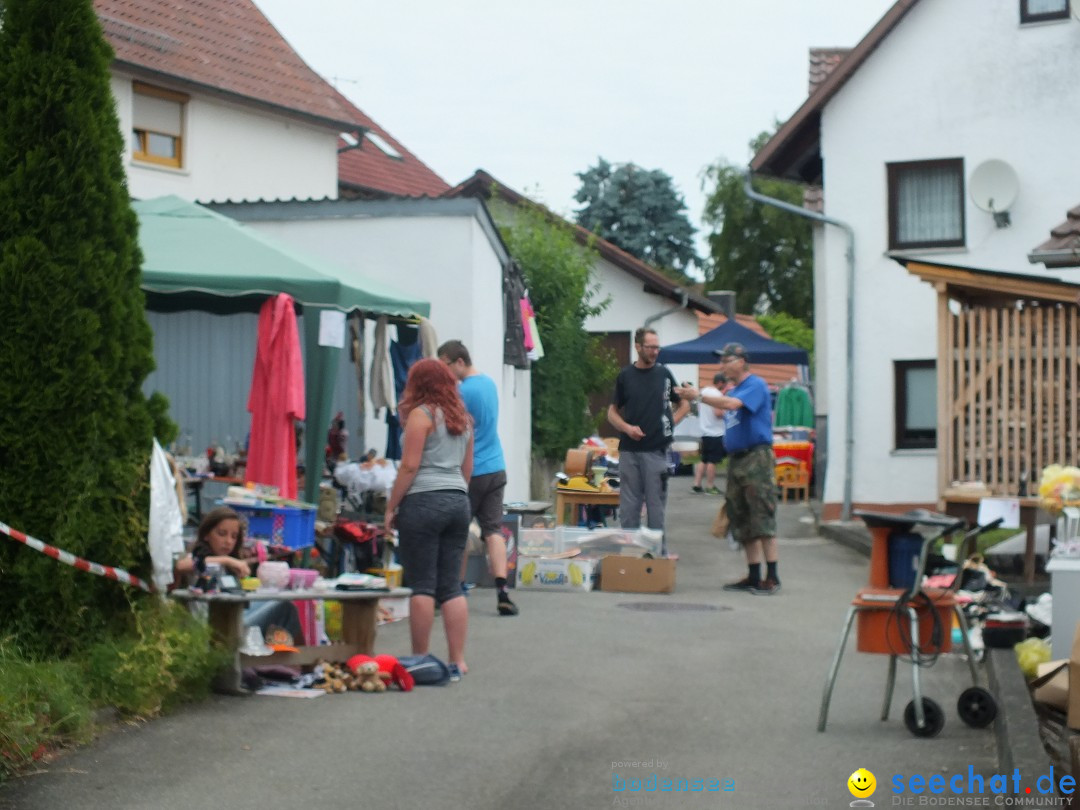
{"x": 562, "y": 702}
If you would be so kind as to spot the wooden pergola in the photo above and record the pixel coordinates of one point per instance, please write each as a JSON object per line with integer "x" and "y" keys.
{"x": 1008, "y": 371}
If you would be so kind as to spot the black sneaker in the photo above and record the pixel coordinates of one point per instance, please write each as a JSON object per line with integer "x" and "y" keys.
{"x": 743, "y": 584}
{"x": 767, "y": 587}
{"x": 506, "y": 607}
{"x": 699, "y": 490}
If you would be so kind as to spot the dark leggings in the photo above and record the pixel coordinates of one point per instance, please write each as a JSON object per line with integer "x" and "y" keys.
{"x": 433, "y": 528}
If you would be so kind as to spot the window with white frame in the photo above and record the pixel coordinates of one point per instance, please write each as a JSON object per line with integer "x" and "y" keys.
{"x": 926, "y": 204}
{"x": 157, "y": 125}
{"x": 915, "y": 390}
{"x": 1040, "y": 10}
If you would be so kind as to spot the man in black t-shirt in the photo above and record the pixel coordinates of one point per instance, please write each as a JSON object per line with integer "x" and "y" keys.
{"x": 641, "y": 411}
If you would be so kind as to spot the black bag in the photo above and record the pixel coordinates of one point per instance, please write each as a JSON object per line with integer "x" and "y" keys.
{"x": 427, "y": 670}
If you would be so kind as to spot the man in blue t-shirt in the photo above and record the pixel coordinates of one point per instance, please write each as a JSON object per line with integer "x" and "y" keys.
{"x": 751, "y": 482}
{"x": 488, "y": 480}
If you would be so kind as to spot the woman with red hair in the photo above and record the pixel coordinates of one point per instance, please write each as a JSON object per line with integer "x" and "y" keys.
{"x": 429, "y": 505}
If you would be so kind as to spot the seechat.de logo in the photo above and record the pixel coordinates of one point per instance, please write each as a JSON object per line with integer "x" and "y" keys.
{"x": 862, "y": 785}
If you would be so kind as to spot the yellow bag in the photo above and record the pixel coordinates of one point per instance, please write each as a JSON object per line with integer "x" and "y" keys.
{"x": 721, "y": 524}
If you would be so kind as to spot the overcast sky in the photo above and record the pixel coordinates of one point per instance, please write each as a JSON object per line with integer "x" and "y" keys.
{"x": 535, "y": 92}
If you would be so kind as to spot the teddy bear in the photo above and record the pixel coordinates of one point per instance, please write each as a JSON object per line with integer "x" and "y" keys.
{"x": 370, "y": 678}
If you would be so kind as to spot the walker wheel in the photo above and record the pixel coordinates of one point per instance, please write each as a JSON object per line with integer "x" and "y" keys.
{"x": 976, "y": 707}
{"x": 932, "y": 713}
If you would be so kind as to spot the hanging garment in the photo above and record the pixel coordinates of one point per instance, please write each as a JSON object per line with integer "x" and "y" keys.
{"x": 793, "y": 407}
{"x": 166, "y": 535}
{"x": 382, "y": 383}
{"x": 276, "y": 400}
{"x": 526, "y": 315}
{"x": 402, "y": 356}
{"x": 513, "y": 335}
{"x": 429, "y": 341}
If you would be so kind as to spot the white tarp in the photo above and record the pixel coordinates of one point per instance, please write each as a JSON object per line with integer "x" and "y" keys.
{"x": 166, "y": 519}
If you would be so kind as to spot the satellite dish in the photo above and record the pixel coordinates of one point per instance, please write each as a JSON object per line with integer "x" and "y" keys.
{"x": 993, "y": 187}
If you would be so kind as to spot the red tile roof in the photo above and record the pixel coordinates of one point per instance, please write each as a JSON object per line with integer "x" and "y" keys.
{"x": 1062, "y": 249}
{"x": 481, "y": 184}
{"x": 822, "y": 62}
{"x": 228, "y": 48}
{"x": 225, "y": 47}
{"x": 772, "y": 374}
{"x": 369, "y": 171}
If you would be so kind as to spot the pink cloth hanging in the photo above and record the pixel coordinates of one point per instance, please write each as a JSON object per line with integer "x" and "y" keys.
{"x": 277, "y": 397}
{"x": 526, "y": 313}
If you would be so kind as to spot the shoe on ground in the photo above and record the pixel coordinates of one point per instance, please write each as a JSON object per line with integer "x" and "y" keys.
{"x": 506, "y": 607}
{"x": 713, "y": 491}
{"x": 455, "y": 672}
{"x": 767, "y": 587}
{"x": 697, "y": 489}
{"x": 743, "y": 584}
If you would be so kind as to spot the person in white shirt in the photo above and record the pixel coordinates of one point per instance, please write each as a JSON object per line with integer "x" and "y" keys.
{"x": 712, "y": 439}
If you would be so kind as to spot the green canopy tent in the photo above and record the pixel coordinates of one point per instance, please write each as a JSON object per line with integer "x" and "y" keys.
{"x": 194, "y": 258}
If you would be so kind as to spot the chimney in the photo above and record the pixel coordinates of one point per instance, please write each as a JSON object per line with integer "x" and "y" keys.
{"x": 725, "y": 299}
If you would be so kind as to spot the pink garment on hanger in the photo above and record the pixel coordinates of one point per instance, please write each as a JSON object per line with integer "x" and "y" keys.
{"x": 277, "y": 397}
{"x": 526, "y": 313}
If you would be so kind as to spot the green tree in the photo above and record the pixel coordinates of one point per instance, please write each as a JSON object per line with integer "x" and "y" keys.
{"x": 558, "y": 272}
{"x": 75, "y": 428}
{"x": 763, "y": 253}
{"x": 641, "y": 212}
{"x": 788, "y": 329}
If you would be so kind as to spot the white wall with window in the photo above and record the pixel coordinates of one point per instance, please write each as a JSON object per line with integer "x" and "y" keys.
{"x": 953, "y": 85}
{"x": 203, "y": 148}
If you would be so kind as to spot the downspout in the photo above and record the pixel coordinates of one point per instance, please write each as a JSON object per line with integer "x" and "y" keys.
{"x": 681, "y": 305}
{"x": 849, "y": 420}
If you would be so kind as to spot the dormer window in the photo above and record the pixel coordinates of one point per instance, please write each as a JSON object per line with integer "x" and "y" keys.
{"x": 157, "y": 125}
{"x": 1043, "y": 10}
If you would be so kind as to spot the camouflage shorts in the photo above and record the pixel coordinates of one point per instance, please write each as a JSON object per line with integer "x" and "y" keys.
{"x": 751, "y": 494}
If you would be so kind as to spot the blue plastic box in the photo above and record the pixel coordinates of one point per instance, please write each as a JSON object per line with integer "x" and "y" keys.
{"x": 904, "y": 551}
{"x": 289, "y": 526}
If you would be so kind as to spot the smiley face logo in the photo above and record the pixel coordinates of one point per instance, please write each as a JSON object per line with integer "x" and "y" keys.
{"x": 862, "y": 784}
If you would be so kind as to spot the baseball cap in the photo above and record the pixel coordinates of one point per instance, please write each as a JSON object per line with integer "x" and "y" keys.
{"x": 734, "y": 350}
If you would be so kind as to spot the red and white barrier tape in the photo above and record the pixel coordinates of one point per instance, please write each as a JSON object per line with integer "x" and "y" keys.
{"x": 76, "y": 562}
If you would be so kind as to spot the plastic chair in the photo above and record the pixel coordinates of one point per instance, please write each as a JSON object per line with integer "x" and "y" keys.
{"x": 792, "y": 479}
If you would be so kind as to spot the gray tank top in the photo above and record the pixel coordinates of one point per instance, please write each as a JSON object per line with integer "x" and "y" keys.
{"x": 440, "y": 464}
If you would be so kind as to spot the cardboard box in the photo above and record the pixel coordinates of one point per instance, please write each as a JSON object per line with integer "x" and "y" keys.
{"x": 543, "y": 574}
{"x": 1054, "y": 692}
{"x": 392, "y": 609}
{"x": 636, "y": 575}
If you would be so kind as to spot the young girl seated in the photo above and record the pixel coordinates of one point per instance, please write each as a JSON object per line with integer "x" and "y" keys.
{"x": 220, "y": 540}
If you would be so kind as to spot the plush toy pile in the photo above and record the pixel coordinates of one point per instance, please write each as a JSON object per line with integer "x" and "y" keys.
{"x": 362, "y": 673}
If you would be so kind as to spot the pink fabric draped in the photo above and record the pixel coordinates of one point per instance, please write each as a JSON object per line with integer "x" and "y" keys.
{"x": 277, "y": 397}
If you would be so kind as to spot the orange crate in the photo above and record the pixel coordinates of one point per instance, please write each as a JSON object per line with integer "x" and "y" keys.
{"x": 879, "y": 627}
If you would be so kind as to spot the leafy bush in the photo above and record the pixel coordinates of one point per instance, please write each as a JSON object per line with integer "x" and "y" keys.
{"x": 166, "y": 660}
{"x": 558, "y": 272}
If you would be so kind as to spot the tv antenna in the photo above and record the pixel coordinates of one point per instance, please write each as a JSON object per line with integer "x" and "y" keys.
{"x": 993, "y": 187}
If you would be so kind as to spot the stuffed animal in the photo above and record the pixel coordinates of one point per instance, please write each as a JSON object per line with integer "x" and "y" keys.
{"x": 389, "y": 668}
{"x": 370, "y": 678}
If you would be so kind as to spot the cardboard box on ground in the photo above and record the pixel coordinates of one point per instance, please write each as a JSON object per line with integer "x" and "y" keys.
{"x": 1057, "y": 684}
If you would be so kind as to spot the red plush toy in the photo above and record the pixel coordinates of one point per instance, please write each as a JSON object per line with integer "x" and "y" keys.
{"x": 399, "y": 676}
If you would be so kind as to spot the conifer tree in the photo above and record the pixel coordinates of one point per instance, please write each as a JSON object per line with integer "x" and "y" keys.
{"x": 75, "y": 347}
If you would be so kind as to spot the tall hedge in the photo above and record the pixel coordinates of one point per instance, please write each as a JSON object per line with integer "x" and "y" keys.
{"x": 75, "y": 347}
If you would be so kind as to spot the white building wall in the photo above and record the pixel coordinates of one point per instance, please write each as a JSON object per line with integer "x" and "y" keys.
{"x": 631, "y": 306}
{"x": 234, "y": 152}
{"x": 448, "y": 261}
{"x": 961, "y": 79}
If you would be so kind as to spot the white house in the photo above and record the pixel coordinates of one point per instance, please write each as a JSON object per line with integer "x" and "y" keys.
{"x": 446, "y": 251}
{"x": 897, "y": 134}
{"x": 216, "y": 105}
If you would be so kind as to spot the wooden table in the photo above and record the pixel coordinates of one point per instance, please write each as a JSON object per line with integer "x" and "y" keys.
{"x": 567, "y": 497}
{"x": 358, "y": 620}
{"x": 1031, "y": 515}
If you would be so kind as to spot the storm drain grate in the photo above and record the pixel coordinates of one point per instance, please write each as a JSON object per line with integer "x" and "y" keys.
{"x": 666, "y": 607}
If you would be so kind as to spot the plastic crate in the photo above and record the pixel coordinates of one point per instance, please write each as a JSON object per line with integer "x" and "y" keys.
{"x": 289, "y": 526}
{"x": 602, "y": 540}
